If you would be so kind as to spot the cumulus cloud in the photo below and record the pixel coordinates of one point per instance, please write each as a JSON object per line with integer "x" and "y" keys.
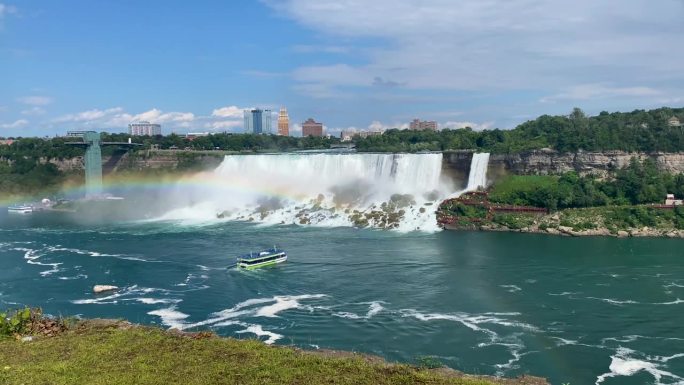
{"x": 466, "y": 45}
{"x": 228, "y": 112}
{"x": 16, "y": 124}
{"x": 35, "y": 100}
{"x": 228, "y": 118}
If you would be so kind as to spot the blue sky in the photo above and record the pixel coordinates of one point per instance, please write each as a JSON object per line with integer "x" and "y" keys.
{"x": 193, "y": 66}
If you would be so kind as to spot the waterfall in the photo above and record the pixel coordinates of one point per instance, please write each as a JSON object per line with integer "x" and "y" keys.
{"x": 398, "y": 191}
{"x": 478, "y": 172}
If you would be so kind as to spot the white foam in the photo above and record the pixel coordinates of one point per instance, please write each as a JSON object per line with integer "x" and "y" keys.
{"x": 624, "y": 364}
{"x": 80, "y": 276}
{"x": 115, "y": 297}
{"x": 249, "y": 308}
{"x": 260, "y": 332}
{"x": 511, "y": 288}
{"x": 614, "y": 301}
{"x": 284, "y": 303}
{"x": 374, "y": 308}
{"x": 170, "y": 317}
{"x": 154, "y": 301}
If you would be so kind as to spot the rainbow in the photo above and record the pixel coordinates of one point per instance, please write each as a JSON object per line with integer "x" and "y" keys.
{"x": 118, "y": 183}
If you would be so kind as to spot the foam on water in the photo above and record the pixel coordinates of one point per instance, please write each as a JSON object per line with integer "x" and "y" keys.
{"x": 170, "y": 317}
{"x": 260, "y": 332}
{"x": 624, "y": 363}
{"x": 327, "y": 190}
{"x": 374, "y": 308}
{"x": 251, "y": 308}
{"x": 511, "y": 288}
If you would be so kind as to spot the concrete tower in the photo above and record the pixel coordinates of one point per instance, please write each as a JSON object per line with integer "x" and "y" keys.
{"x": 283, "y": 122}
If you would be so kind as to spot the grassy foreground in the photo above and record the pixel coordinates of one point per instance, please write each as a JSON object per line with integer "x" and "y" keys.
{"x": 111, "y": 354}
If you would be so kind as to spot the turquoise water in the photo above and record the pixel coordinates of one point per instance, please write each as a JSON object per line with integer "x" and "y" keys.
{"x": 578, "y": 311}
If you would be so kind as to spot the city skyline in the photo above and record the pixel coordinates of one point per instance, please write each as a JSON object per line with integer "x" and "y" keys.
{"x": 373, "y": 66}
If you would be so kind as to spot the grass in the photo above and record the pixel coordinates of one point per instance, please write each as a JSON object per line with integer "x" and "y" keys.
{"x": 145, "y": 355}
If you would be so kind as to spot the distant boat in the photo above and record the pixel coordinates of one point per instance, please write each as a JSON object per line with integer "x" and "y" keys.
{"x": 263, "y": 258}
{"x": 23, "y": 209}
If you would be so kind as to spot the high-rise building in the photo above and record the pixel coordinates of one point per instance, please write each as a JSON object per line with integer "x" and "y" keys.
{"x": 312, "y": 128}
{"x": 258, "y": 121}
{"x": 144, "y": 128}
{"x": 283, "y": 122}
{"x": 418, "y": 124}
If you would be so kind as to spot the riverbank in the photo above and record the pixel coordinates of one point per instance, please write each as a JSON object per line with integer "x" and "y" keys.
{"x": 614, "y": 221}
{"x": 117, "y": 352}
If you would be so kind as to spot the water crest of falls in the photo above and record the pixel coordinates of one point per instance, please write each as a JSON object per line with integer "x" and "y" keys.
{"x": 393, "y": 191}
{"x": 478, "y": 172}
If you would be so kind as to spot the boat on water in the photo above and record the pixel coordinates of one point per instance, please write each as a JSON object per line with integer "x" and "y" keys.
{"x": 263, "y": 258}
{"x": 22, "y": 209}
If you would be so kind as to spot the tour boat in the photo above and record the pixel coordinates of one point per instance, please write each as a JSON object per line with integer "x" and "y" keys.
{"x": 20, "y": 209}
{"x": 261, "y": 259}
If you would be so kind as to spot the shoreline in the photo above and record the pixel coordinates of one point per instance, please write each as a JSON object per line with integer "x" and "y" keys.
{"x": 116, "y": 351}
{"x": 567, "y": 231}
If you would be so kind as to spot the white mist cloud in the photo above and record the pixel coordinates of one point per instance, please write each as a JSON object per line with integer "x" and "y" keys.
{"x": 35, "y": 100}
{"x": 465, "y": 45}
{"x": 16, "y": 124}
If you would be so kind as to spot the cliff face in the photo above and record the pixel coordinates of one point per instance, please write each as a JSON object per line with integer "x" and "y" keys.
{"x": 546, "y": 162}
{"x": 154, "y": 160}
{"x": 456, "y": 163}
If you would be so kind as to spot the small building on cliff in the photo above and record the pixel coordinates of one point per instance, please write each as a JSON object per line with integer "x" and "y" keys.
{"x": 671, "y": 201}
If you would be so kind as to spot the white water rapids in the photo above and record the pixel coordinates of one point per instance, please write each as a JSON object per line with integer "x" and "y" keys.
{"x": 398, "y": 191}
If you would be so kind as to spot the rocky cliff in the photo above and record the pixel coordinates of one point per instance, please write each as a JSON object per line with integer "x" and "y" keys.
{"x": 456, "y": 163}
{"x": 546, "y": 162}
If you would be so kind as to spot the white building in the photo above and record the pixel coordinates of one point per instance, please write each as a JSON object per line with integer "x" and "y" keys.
{"x": 144, "y": 128}
{"x": 671, "y": 201}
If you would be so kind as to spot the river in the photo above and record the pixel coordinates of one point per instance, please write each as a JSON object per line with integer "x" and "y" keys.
{"x": 578, "y": 311}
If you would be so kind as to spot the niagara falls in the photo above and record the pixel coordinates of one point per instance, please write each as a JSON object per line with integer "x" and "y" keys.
{"x": 268, "y": 192}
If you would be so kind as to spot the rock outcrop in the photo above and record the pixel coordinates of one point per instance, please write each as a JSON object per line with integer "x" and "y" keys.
{"x": 548, "y": 162}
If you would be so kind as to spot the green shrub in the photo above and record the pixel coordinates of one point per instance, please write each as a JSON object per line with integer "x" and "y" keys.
{"x": 15, "y": 322}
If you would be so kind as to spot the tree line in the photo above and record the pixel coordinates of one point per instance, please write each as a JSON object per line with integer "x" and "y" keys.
{"x": 637, "y": 183}
{"x": 639, "y": 130}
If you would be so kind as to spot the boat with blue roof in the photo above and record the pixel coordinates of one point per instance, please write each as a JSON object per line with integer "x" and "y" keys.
{"x": 263, "y": 258}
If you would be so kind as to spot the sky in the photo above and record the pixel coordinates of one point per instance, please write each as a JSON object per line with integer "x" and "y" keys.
{"x": 195, "y": 66}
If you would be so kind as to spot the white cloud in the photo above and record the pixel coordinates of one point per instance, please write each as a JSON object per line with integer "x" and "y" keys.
{"x": 34, "y": 111}
{"x": 35, "y": 100}
{"x": 223, "y": 125}
{"x": 93, "y": 115}
{"x": 466, "y": 45}
{"x": 600, "y": 91}
{"x": 16, "y": 124}
{"x": 228, "y": 112}
{"x": 221, "y": 119}
{"x": 473, "y": 125}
